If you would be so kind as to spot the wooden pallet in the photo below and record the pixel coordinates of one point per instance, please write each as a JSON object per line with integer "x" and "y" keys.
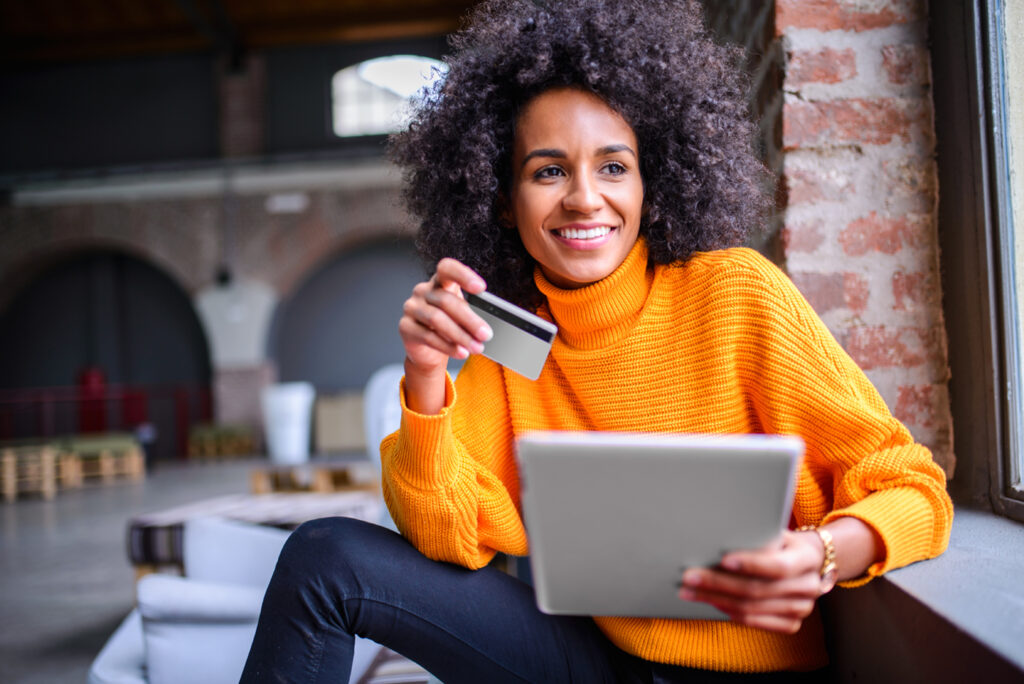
{"x": 38, "y": 471}
{"x": 107, "y": 465}
{"x": 310, "y": 477}
{"x": 219, "y": 442}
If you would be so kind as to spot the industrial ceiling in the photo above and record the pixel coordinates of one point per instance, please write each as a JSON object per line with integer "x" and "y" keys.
{"x": 47, "y": 31}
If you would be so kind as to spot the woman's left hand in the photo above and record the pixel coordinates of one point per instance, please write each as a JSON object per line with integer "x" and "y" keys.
{"x": 773, "y": 588}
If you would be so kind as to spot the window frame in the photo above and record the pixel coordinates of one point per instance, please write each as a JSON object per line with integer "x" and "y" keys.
{"x": 973, "y": 225}
{"x": 436, "y": 64}
{"x": 299, "y": 104}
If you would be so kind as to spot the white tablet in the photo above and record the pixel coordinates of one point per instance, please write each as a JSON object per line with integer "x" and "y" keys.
{"x": 614, "y": 518}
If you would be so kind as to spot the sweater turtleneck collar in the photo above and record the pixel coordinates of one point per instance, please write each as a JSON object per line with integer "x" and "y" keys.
{"x": 597, "y": 315}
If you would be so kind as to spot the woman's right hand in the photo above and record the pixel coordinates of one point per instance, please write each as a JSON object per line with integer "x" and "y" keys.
{"x": 436, "y": 324}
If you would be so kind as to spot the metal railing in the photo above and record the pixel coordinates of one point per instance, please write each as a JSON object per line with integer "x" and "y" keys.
{"x": 161, "y": 415}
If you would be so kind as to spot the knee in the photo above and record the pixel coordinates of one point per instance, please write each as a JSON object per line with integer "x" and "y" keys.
{"x": 328, "y": 545}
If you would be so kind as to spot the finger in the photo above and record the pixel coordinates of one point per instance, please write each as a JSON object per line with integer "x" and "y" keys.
{"x": 451, "y": 272}
{"x": 749, "y": 587}
{"x": 463, "y": 315}
{"x": 415, "y": 334}
{"x": 795, "y": 556}
{"x": 774, "y": 565}
{"x": 772, "y": 623}
{"x": 448, "y": 297}
{"x": 793, "y": 607}
{"x": 440, "y": 324}
{"x": 774, "y": 615}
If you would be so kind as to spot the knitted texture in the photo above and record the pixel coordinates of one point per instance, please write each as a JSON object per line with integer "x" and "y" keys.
{"x": 722, "y": 344}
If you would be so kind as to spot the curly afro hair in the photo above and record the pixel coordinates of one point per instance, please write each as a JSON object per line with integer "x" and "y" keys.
{"x": 652, "y": 61}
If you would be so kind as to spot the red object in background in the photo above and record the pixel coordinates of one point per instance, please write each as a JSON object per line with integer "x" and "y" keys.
{"x": 134, "y": 408}
{"x": 92, "y": 407}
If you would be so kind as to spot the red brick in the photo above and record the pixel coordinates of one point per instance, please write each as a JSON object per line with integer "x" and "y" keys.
{"x": 804, "y": 238}
{"x": 906, "y": 64}
{"x": 907, "y": 176}
{"x": 820, "y": 66}
{"x": 916, "y": 405}
{"x": 824, "y": 291}
{"x": 880, "y": 347}
{"x": 846, "y": 122}
{"x": 829, "y": 291}
{"x": 856, "y": 290}
{"x": 832, "y": 15}
{"x": 914, "y": 290}
{"x": 874, "y": 233}
{"x": 807, "y": 187}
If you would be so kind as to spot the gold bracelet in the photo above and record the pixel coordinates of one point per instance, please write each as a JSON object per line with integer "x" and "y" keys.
{"x": 829, "y": 572}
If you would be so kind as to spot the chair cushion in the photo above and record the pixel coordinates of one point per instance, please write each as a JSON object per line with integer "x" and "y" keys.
{"x": 185, "y": 600}
{"x": 123, "y": 658}
{"x": 232, "y": 552}
{"x": 196, "y": 632}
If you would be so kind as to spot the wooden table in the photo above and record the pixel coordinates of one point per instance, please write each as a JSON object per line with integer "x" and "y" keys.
{"x": 155, "y": 539}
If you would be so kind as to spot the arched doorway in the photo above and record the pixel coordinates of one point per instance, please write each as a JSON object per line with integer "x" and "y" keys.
{"x": 341, "y": 324}
{"x": 119, "y": 326}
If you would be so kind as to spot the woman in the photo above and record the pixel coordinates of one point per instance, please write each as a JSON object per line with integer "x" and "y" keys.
{"x": 591, "y": 161}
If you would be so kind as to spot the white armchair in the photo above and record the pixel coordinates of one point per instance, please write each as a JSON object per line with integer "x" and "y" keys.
{"x": 382, "y": 415}
{"x": 198, "y": 628}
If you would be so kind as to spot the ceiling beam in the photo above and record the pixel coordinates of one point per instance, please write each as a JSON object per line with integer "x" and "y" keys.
{"x": 181, "y": 26}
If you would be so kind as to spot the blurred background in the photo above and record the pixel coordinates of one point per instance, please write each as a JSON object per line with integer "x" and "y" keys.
{"x": 196, "y": 205}
{"x": 197, "y": 218}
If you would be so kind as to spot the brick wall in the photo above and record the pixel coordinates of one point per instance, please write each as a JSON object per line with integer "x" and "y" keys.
{"x": 860, "y": 195}
{"x": 185, "y": 235}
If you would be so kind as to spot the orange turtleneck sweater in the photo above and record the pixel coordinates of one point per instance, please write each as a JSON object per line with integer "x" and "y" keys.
{"x": 722, "y": 344}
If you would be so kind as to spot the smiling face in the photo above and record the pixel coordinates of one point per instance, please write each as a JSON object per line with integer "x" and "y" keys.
{"x": 576, "y": 195}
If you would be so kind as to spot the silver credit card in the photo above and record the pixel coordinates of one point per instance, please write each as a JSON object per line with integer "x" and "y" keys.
{"x": 521, "y": 339}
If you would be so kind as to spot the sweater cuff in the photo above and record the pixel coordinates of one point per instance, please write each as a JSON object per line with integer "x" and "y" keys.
{"x": 421, "y": 457}
{"x": 904, "y": 526}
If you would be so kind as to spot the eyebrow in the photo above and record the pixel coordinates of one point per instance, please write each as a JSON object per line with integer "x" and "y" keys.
{"x": 561, "y": 154}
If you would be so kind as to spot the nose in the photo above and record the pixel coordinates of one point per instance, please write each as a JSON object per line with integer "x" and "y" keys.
{"x": 582, "y": 195}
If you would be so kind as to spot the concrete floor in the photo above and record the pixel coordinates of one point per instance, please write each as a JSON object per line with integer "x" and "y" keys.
{"x": 65, "y": 580}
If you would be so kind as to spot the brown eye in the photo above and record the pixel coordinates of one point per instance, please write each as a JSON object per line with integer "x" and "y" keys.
{"x": 548, "y": 172}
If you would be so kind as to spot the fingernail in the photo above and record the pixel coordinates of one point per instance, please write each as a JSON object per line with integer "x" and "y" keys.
{"x": 691, "y": 578}
{"x": 730, "y": 564}
{"x": 687, "y": 594}
{"x": 461, "y": 352}
{"x": 484, "y": 333}
{"x": 476, "y": 347}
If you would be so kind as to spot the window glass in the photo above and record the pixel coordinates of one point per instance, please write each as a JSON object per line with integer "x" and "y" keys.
{"x": 1012, "y": 87}
{"x": 374, "y": 97}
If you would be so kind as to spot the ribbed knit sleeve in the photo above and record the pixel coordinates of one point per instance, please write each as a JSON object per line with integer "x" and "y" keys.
{"x": 456, "y": 498}
{"x": 860, "y": 461}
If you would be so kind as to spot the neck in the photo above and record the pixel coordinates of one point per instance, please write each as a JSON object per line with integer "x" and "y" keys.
{"x": 598, "y": 314}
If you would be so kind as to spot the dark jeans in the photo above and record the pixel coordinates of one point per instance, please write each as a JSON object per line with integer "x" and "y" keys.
{"x": 339, "y": 577}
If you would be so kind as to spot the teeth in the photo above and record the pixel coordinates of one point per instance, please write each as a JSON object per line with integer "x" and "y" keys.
{"x": 589, "y": 234}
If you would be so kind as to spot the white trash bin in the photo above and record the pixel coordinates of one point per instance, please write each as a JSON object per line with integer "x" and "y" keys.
{"x": 287, "y": 417}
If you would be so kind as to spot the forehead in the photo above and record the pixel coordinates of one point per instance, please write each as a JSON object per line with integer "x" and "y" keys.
{"x": 568, "y": 117}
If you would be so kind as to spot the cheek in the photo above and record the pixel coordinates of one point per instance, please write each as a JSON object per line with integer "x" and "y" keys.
{"x": 529, "y": 212}
{"x": 630, "y": 204}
